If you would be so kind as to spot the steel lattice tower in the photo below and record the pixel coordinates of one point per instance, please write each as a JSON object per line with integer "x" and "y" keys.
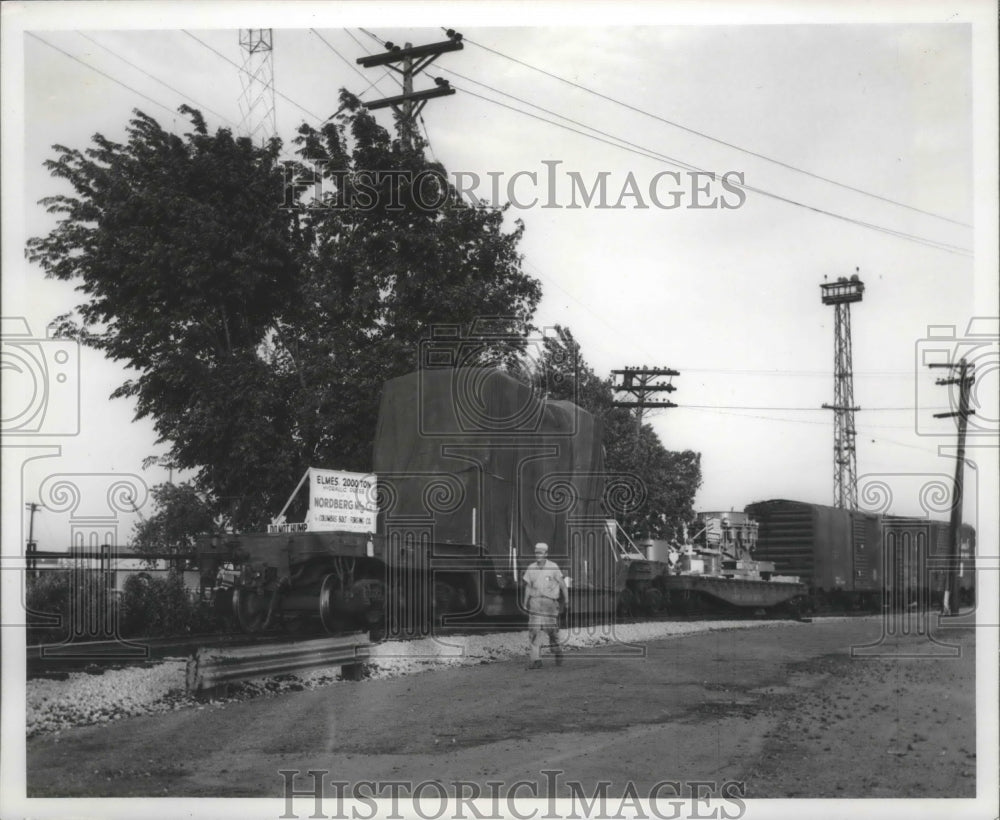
{"x": 257, "y": 80}
{"x": 841, "y": 294}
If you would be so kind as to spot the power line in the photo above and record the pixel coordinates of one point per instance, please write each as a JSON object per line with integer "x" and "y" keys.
{"x": 427, "y": 137}
{"x": 157, "y": 79}
{"x": 377, "y": 39}
{"x": 658, "y": 155}
{"x": 827, "y": 424}
{"x": 103, "y": 74}
{"x": 802, "y": 409}
{"x": 238, "y": 67}
{"x": 650, "y": 153}
{"x": 715, "y": 139}
{"x": 354, "y": 68}
{"x": 825, "y": 374}
{"x": 807, "y": 373}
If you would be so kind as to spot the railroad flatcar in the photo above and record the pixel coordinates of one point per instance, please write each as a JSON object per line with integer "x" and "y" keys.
{"x": 717, "y": 568}
{"x": 471, "y": 469}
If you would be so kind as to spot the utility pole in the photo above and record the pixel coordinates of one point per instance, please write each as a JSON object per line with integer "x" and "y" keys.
{"x": 409, "y": 61}
{"x": 841, "y": 294}
{"x": 642, "y": 383}
{"x": 31, "y": 560}
{"x": 964, "y": 381}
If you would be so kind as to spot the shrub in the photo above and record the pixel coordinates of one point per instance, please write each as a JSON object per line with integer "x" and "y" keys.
{"x": 148, "y": 607}
{"x": 154, "y": 607}
{"x": 54, "y": 596}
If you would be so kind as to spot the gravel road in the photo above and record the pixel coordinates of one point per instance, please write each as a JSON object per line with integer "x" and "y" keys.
{"x": 783, "y": 711}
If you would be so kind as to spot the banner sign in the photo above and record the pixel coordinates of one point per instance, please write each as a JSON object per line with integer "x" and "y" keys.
{"x": 341, "y": 502}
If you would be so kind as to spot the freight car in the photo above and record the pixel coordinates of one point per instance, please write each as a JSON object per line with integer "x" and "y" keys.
{"x": 715, "y": 569}
{"x": 860, "y": 560}
{"x": 918, "y": 562}
{"x": 471, "y": 469}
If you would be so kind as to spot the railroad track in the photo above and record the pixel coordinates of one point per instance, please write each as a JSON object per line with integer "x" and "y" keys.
{"x": 57, "y": 660}
{"x": 50, "y": 660}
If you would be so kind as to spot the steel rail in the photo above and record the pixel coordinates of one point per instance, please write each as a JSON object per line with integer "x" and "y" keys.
{"x": 212, "y": 667}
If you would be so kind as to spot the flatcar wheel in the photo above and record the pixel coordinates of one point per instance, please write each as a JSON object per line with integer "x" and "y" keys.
{"x": 222, "y": 601}
{"x": 688, "y": 603}
{"x": 396, "y": 617}
{"x": 626, "y": 603}
{"x": 444, "y": 599}
{"x": 652, "y": 600}
{"x": 249, "y": 609}
{"x": 331, "y": 620}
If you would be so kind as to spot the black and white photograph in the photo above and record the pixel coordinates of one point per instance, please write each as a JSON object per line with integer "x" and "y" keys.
{"x": 500, "y": 410}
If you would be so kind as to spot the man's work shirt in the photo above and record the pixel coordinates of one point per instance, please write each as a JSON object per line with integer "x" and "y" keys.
{"x": 543, "y": 581}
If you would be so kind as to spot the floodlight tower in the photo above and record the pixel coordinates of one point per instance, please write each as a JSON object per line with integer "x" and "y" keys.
{"x": 257, "y": 80}
{"x": 841, "y": 294}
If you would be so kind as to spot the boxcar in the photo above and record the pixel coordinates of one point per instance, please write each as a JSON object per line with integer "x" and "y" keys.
{"x": 857, "y": 559}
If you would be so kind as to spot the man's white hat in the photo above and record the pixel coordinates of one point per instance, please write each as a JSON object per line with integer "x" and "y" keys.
{"x": 541, "y": 546}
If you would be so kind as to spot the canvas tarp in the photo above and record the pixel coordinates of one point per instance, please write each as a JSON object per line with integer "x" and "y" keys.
{"x": 453, "y": 441}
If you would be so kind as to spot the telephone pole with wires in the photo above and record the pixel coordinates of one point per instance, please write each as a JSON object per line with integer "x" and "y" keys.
{"x": 642, "y": 383}
{"x": 409, "y": 61}
{"x": 964, "y": 381}
{"x": 31, "y": 557}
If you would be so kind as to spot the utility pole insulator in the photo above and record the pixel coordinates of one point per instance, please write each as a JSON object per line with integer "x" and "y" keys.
{"x": 412, "y": 60}
{"x": 416, "y": 96}
{"x": 642, "y": 383}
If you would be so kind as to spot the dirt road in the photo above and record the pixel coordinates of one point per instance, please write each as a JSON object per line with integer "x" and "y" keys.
{"x": 784, "y": 710}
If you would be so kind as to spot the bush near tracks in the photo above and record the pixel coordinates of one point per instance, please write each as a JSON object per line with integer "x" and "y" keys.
{"x": 47, "y": 600}
{"x": 156, "y": 607}
{"x": 147, "y": 607}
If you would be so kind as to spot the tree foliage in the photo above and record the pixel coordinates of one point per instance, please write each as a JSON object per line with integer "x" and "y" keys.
{"x": 261, "y": 319}
{"x": 158, "y": 604}
{"x": 180, "y": 517}
{"x": 668, "y": 480}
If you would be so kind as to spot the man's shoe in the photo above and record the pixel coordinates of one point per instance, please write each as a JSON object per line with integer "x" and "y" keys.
{"x": 535, "y": 665}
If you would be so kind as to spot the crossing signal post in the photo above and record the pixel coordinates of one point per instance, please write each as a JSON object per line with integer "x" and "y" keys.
{"x": 964, "y": 381}
{"x": 409, "y": 61}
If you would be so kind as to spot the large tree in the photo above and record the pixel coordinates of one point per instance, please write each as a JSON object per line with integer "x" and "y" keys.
{"x": 260, "y": 320}
{"x": 657, "y": 500}
{"x": 181, "y": 516}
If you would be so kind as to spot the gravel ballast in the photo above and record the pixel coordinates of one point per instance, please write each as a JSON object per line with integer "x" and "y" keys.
{"x": 82, "y": 699}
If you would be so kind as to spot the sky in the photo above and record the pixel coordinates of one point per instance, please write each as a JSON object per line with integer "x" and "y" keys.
{"x": 854, "y": 139}
{"x": 865, "y": 134}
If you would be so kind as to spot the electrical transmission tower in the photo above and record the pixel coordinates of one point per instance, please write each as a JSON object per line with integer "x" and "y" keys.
{"x": 412, "y": 59}
{"x": 841, "y": 294}
{"x": 257, "y": 80}
{"x": 641, "y": 383}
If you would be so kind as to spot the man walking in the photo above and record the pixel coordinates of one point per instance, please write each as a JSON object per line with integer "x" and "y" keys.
{"x": 543, "y": 584}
